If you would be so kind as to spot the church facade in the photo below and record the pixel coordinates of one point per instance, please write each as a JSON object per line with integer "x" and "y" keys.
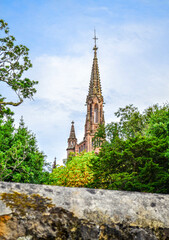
{"x": 95, "y": 113}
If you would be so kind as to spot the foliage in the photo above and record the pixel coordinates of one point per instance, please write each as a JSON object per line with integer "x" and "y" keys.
{"x": 99, "y": 136}
{"x": 14, "y": 61}
{"x": 76, "y": 173}
{"x": 22, "y": 204}
{"x": 136, "y": 154}
{"x": 20, "y": 158}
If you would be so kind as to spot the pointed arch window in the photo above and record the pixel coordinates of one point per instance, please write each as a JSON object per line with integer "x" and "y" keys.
{"x": 96, "y": 113}
{"x": 101, "y": 114}
{"x": 90, "y": 110}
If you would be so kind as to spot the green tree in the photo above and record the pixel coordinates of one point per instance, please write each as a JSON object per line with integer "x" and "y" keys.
{"x": 20, "y": 158}
{"x": 100, "y": 136}
{"x": 14, "y": 61}
{"x": 136, "y": 155}
{"x": 131, "y": 122}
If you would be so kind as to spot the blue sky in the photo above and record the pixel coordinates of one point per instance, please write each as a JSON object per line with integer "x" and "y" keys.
{"x": 133, "y": 60}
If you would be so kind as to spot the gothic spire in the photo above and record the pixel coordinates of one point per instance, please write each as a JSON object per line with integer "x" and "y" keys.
{"x": 95, "y": 85}
{"x": 72, "y": 131}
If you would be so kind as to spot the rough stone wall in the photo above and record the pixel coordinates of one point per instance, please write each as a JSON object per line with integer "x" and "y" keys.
{"x": 101, "y": 206}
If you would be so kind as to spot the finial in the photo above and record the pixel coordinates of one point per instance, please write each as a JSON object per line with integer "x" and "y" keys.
{"x": 95, "y": 38}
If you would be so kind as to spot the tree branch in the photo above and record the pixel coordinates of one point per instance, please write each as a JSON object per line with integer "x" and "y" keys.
{"x": 12, "y": 103}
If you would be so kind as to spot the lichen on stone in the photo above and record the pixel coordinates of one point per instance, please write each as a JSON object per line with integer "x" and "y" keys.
{"x": 22, "y": 203}
{"x": 35, "y": 217}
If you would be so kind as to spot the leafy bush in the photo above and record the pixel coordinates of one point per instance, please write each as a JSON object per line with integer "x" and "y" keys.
{"x": 76, "y": 172}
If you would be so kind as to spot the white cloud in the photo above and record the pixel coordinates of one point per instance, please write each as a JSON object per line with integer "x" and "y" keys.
{"x": 61, "y": 95}
{"x": 62, "y": 79}
{"x": 131, "y": 71}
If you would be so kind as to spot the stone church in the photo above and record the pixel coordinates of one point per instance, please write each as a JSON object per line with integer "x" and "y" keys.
{"x": 95, "y": 113}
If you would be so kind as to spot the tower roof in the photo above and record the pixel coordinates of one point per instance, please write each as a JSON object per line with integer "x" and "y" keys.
{"x": 72, "y": 132}
{"x": 95, "y": 85}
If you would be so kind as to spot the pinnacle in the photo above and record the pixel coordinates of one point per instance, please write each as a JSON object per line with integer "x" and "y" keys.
{"x": 95, "y": 85}
{"x": 72, "y": 131}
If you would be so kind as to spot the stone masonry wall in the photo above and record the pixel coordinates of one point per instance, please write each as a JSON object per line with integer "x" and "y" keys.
{"x": 101, "y": 206}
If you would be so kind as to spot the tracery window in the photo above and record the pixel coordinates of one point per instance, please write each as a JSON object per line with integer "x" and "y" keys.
{"x": 101, "y": 113}
{"x": 96, "y": 113}
{"x": 90, "y": 110}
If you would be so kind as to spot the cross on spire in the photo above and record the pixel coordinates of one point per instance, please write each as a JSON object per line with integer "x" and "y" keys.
{"x": 95, "y": 38}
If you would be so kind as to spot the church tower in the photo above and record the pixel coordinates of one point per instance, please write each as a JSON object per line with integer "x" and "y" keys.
{"x": 94, "y": 102}
{"x": 95, "y": 113}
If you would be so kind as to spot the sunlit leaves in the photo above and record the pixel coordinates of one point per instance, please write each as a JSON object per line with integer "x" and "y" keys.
{"x": 76, "y": 173}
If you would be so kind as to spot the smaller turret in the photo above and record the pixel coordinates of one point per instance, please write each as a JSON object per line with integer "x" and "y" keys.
{"x": 72, "y": 140}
